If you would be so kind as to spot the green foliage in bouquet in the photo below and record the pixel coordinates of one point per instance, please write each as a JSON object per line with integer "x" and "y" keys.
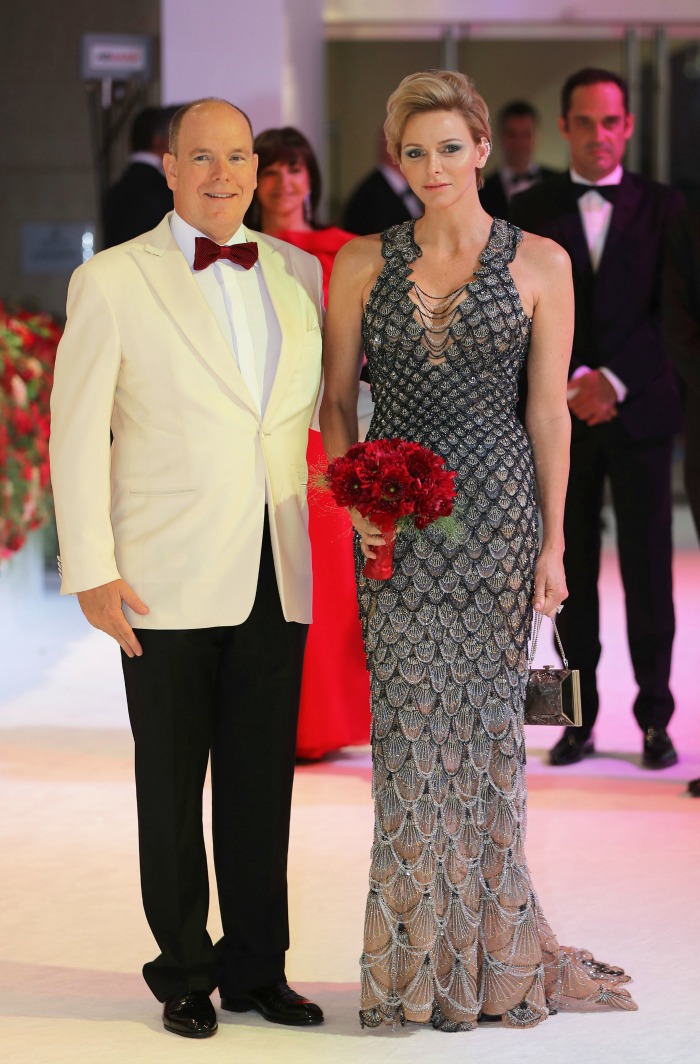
{"x": 27, "y": 355}
{"x": 451, "y": 526}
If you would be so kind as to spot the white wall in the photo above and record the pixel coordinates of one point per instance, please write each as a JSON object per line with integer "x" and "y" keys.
{"x": 303, "y": 82}
{"x": 265, "y": 56}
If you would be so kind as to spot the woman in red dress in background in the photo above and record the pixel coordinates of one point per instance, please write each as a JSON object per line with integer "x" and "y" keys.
{"x": 334, "y": 708}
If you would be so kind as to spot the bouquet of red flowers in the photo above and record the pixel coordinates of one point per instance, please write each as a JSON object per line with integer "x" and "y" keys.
{"x": 387, "y": 480}
{"x": 27, "y": 354}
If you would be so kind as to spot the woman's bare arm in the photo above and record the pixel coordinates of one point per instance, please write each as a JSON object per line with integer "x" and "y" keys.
{"x": 547, "y": 417}
{"x": 356, "y": 267}
{"x": 355, "y": 270}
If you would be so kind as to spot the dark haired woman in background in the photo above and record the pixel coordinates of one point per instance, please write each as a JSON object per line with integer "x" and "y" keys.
{"x": 334, "y": 708}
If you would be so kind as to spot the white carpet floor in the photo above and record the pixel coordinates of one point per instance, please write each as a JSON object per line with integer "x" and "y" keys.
{"x": 614, "y": 852}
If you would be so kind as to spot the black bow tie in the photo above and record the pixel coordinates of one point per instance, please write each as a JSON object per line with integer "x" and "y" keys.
{"x": 528, "y": 175}
{"x": 608, "y": 192}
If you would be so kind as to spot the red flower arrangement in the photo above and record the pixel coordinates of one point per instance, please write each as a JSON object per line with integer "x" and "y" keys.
{"x": 27, "y": 355}
{"x": 387, "y": 480}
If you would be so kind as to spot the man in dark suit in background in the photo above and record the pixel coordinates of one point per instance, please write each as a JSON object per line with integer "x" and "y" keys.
{"x": 622, "y": 396}
{"x": 682, "y": 333}
{"x": 141, "y": 197}
{"x": 382, "y": 199}
{"x": 517, "y": 140}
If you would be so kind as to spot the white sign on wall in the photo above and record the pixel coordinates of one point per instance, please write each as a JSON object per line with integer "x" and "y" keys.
{"x": 111, "y": 55}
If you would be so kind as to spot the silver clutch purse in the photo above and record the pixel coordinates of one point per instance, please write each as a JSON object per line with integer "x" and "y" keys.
{"x": 553, "y": 696}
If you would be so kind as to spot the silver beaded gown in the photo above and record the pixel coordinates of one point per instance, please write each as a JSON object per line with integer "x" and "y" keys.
{"x": 454, "y": 930}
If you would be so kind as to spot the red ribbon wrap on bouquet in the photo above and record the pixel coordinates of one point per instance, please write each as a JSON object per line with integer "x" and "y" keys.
{"x": 381, "y": 567}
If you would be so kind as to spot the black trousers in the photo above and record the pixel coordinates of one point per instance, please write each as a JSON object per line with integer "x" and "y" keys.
{"x": 692, "y": 455}
{"x": 231, "y": 693}
{"x": 640, "y": 481}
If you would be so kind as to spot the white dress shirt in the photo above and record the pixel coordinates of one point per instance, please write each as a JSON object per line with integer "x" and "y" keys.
{"x": 240, "y": 302}
{"x": 596, "y": 213}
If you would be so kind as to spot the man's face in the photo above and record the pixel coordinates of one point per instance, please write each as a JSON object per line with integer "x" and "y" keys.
{"x": 213, "y": 175}
{"x": 597, "y": 128}
{"x": 518, "y": 137}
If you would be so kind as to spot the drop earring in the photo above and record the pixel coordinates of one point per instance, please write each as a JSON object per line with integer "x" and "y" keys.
{"x": 308, "y": 212}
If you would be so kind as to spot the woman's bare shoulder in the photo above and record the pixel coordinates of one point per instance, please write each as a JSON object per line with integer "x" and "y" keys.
{"x": 361, "y": 249}
{"x": 543, "y": 255}
{"x": 359, "y": 259}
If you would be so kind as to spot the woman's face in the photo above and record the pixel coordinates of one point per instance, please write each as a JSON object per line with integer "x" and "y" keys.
{"x": 439, "y": 158}
{"x": 283, "y": 187}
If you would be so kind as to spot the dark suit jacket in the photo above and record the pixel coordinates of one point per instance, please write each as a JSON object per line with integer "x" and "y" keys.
{"x": 618, "y": 308}
{"x": 682, "y": 299}
{"x": 493, "y": 196}
{"x": 374, "y": 206}
{"x": 135, "y": 204}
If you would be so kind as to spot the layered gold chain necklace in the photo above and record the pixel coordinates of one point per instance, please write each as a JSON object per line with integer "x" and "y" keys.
{"x": 437, "y": 315}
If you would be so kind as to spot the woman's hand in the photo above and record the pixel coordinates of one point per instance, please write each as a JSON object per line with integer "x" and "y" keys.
{"x": 370, "y": 536}
{"x": 550, "y": 582}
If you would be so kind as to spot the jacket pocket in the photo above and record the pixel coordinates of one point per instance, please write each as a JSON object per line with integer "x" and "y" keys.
{"x": 168, "y": 491}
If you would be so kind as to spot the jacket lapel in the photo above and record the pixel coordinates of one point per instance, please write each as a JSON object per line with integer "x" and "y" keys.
{"x": 627, "y": 202}
{"x": 166, "y": 271}
{"x": 284, "y": 296}
{"x": 574, "y": 237}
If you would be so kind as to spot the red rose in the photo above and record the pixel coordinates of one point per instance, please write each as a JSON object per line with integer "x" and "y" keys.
{"x": 395, "y": 485}
{"x": 347, "y": 485}
{"x": 393, "y": 477}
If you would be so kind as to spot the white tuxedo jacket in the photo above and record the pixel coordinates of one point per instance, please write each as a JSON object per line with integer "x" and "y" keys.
{"x": 176, "y": 505}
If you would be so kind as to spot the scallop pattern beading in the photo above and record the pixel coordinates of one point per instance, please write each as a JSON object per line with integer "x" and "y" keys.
{"x": 453, "y": 926}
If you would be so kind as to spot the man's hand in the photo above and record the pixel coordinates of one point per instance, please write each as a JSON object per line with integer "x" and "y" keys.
{"x": 592, "y": 398}
{"x": 103, "y": 608}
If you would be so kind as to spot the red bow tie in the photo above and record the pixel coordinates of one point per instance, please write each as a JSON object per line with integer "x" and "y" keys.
{"x": 207, "y": 251}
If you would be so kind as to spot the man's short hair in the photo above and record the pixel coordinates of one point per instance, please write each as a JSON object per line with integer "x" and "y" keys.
{"x": 592, "y": 76}
{"x": 176, "y": 120}
{"x": 517, "y": 109}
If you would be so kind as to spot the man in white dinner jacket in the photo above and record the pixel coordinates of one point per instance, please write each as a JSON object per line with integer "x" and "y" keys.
{"x": 186, "y": 540}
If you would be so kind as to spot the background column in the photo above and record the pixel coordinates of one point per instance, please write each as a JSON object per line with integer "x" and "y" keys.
{"x": 265, "y": 56}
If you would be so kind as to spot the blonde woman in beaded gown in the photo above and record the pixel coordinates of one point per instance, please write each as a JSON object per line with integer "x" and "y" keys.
{"x": 447, "y": 308}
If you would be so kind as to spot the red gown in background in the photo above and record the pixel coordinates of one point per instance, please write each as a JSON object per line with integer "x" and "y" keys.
{"x": 334, "y": 709}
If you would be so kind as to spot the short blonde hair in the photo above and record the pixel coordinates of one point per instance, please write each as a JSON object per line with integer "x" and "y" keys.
{"x": 436, "y": 90}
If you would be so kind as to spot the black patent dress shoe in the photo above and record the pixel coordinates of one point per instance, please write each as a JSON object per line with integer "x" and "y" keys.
{"x": 278, "y": 1003}
{"x": 190, "y": 1015}
{"x": 694, "y": 788}
{"x": 570, "y": 749}
{"x": 658, "y": 750}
